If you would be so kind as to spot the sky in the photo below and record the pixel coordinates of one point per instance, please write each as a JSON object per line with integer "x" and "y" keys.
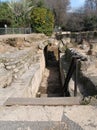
{"x": 76, "y": 3}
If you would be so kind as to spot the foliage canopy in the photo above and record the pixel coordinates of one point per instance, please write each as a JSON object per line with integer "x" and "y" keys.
{"x": 5, "y": 16}
{"x": 42, "y": 20}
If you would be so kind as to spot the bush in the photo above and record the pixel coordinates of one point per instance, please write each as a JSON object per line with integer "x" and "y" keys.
{"x": 42, "y": 20}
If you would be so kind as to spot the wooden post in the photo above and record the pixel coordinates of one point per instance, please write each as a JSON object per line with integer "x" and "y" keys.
{"x": 76, "y": 77}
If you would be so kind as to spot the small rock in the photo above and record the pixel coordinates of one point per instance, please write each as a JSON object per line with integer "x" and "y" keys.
{"x": 16, "y": 70}
{"x": 38, "y": 94}
{"x": 8, "y": 67}
{"x": 15, "y": 76}
{"x": 41, "y": 46}
{"x": 13, "y": 67}
{"x": 5, "y": 78}
{"x": 27, "y": 44}
{"x": 1, "y": 65}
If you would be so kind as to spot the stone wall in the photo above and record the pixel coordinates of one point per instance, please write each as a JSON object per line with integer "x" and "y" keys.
{"x": 87, "y": 80}
{"x": 22, "y": 64}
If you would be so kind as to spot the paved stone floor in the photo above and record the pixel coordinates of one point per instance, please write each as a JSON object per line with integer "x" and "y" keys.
{"x": 48, "y": 118}
{"x": 24, "y": 125}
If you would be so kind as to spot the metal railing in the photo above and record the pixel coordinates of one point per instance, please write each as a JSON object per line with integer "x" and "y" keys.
{"x": 15, "y": 31}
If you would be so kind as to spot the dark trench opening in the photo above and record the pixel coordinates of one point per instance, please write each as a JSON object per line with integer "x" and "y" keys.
{"x": 51, "y": 83}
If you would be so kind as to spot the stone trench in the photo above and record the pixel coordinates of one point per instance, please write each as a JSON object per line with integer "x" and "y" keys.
{"x": 87, "y": 69}
{"x": 33, "y": 69}
{"x": 51, "y": 82}
{"x": 29, "y": 67}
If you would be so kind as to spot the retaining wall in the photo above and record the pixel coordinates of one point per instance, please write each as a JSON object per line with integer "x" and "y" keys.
{"x": 87, "y": 81}
{"x": 21, "y": 69}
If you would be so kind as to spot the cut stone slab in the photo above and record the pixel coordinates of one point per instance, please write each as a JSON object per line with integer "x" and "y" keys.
{"x": 43, "y": 101}
{"x": 31, "y": 113}
{"x": 76, "y": 117}
{"x": 85, "y": 116}
{"x": 24, "y": 125}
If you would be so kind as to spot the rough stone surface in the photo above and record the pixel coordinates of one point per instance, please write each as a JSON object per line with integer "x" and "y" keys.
{"x": 83, "y": 115}
{"x": 87, "y": 83}
{"x": 74, "y": 117}
{"x": 25, "y": 125}
{"x": 21, "y": 66}
{"x": 5, "y": 78}
{"x": 22, "y": 62}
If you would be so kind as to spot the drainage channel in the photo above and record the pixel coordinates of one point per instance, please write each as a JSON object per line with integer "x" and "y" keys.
{"x": 51, "y": 85}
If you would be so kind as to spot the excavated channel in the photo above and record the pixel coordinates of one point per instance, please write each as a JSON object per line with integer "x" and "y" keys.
{"x": 51, "y": 85}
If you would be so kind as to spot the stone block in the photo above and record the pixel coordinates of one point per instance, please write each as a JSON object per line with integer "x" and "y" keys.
{"x": 5, "y": 78}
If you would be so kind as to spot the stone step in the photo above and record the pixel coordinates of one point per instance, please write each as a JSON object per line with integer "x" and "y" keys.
{"x": 62, "y": 101}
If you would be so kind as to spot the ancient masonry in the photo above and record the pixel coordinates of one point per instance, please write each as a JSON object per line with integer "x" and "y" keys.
{"x": 32, "y": 77}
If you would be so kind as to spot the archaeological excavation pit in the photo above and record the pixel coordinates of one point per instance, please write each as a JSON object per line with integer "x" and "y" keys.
{"x": 51, "y": 82}
{"x": 36, "y": 68}
{"x": 40, "y": 87}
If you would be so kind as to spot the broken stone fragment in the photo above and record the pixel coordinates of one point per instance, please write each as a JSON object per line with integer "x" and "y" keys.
{"x": 27, "y": 44}
{"x": 90, "y": 100}
{"x": 41, "y": 46}
{"x": 15, "y": 76}
{"x": 62, "y": 48}
{"x": 51, "y": 41}
{"x": 5, "y": 78}
{"x": 1, "y": 65}
{"x": 10, "y": 67}
{"x": 16, "y": 70}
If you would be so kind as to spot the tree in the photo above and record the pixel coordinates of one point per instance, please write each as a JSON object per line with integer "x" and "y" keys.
{"x": 75, "y": 22}
{"x": 90, "y": 23}
{"x": 59, "y": 7}
{"x": 90, "y": 13}
{"x": 21, "y": 12}
{"x": 90, "y": 7}
{"x": 42, "y": 20}
{"x": 5, "y": 15}
{"x": 84, "y": 18}
{"x": 40, "y": 3}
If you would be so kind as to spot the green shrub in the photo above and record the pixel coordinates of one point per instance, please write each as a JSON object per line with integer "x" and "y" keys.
{"x": 42, "y": 20}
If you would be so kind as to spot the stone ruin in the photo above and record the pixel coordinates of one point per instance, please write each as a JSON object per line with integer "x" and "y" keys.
{"x": 87, "y": 77}
{"x": 22, "y": 64}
